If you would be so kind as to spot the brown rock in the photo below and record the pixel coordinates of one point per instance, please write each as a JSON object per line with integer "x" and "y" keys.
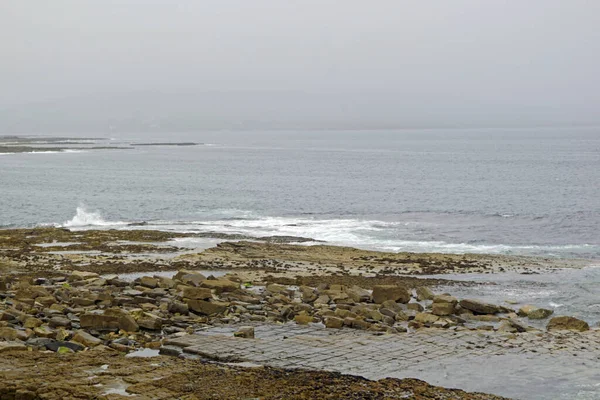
{"x": 84, "y": 338}
{"x": 358, "y": 294}
{"x": 442, "y": 309}
{"x": 567, "y": 323}
{"x": 197, "y": 293}
{"x": 479, "y": 307}
{"x": 426, "y": 318}
{"x": 82, "y": 276}
{"x": 148, "y": 321}
{"x": 148, "y": 282}
{"x": 424, "y": 293}
{"x": 303, "y": 318}
{"x": 246, "y": 332}
{"x": 32, "y": 322}
{"x": 99, "y": 322}
{"x": 220, "y": 285}
{"x": 334, "y": 322}
{"x": 126, "y": 321}
{"x": 383, "y": 293}
{"x": 207, "y": 307}
{"x": 7, "y": 333}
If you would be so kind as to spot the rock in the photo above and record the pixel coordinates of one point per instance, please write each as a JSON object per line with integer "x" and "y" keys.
{"x": 32, "y": 322}
{"x": 334, "y": 322}
{"x": 148, "y": 321}
{"x": 207, "y": 307}
{"x": 220, "y": 285}
{"x": 82, "y": 276}
{"x": 7, "y": 333}
{"x": 567, "y": 323}
{"x": 533, "y": 312}
{"x": 303, "y": 318}
{"x": 148, "y": 282}
{"x": 56, "y": 322}
{"x": 276, "y": 288}
{"x": 10, "y": 346}
{"x": 392, "y": 305}
{"x": 358, "y": 294}
{"x": 424, "y": 293}
{"x": 126, "y": 322}
{"x": 426, "y": 318}
{"x": 322, "y": 299}
{"x": 442, "y": 309}
{"x": 506, "y": 326}
{"x": 308, "y": 294}
{"x": 86, "y": 339}
{"x": 445, "y": 298}
{"x": 246, "y": 332}
{"x": 197, "y": 293}
{"x": 99, "y": 322}
{"x": 383, "y": 293}
{"x": 479, "y": 307}
{"x": 176, "y": 307}
{"x": 44, "y": 332}
{"x": 55, "y": 345}
{"x": 415, "y": 307}
{"x": 164, "y": 282}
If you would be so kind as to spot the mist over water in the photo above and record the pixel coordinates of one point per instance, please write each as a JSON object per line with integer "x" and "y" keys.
{"x": 531, "y": 191}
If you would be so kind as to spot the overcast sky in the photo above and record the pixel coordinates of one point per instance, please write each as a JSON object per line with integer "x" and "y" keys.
{"x": 464, "y": 59}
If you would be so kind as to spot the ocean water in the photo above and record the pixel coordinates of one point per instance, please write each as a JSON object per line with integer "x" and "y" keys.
{"x": 509, "y": 191}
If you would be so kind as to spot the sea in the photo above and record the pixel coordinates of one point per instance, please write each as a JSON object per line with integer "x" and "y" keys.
{"x": 532, "y": 191}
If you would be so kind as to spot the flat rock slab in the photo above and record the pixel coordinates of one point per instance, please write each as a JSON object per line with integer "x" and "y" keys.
{"x": 451, "y": 358}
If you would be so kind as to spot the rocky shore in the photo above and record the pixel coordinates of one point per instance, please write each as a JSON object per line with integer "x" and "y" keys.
{"x": 79, "y": 306}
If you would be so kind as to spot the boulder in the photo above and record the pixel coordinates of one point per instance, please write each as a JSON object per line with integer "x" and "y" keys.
{"x": 56, "y": 322}
{"x": 32, "y": 322}
{"x": 426, "y": 318}
{"x": 126, "y": 322}
{"x": 10, "y": 346}
{"x": 424, "y": 293}
{"x": 358, "y": 294}
{"x": 220, "y": 285}
{"x": 99, "y": 322}
{"x": 176, "y": 307}
{"x": 246, "y": 332}
{"x": 196, "y": 293}
{"x": 187, "y": 277}
{"x": 86, "y": 339}
{"x": 442, "y": 309}
{"x": 82, "y": 276}
{"x": 445, "y": 298}
{"x": 334, "y": 322}
{"x": 395, "y": 293}
{"x": 415, "y": 307}
{"x": 7, "y": 333}
{"x": 148, "y": 321}
{"x": 303, "y": 318}
{"x": 533, "y": 312}
{"x": 207, "y": 307}
{"x": 567, "y": 323}
{"x": 149, "y": 282}
{"x": 479, "y": 307}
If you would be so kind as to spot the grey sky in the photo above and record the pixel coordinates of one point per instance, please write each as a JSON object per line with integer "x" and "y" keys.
{"x": 459, "y": 61}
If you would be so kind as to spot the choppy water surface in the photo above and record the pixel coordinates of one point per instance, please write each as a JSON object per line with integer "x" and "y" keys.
{"x": 532, "y": 191}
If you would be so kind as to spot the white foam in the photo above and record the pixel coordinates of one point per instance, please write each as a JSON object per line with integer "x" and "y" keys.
{"x": 85, "y": 218}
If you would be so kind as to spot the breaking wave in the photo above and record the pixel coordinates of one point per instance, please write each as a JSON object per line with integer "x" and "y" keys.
{"x": 86, "y": 218}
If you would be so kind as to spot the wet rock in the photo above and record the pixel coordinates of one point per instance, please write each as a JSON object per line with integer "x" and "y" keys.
{"x": 533, "y": 312}
{"x": 382, "y": 293}
{"x": 197, "y": 293}
{"x": 246, "y": 332}
{"x": 567, "y": 323}
{"x": 86, "y": 339}
{"x": 479, "y": 307}
{"x": 424, "y": 293}
{"x": 55, "y": 345}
